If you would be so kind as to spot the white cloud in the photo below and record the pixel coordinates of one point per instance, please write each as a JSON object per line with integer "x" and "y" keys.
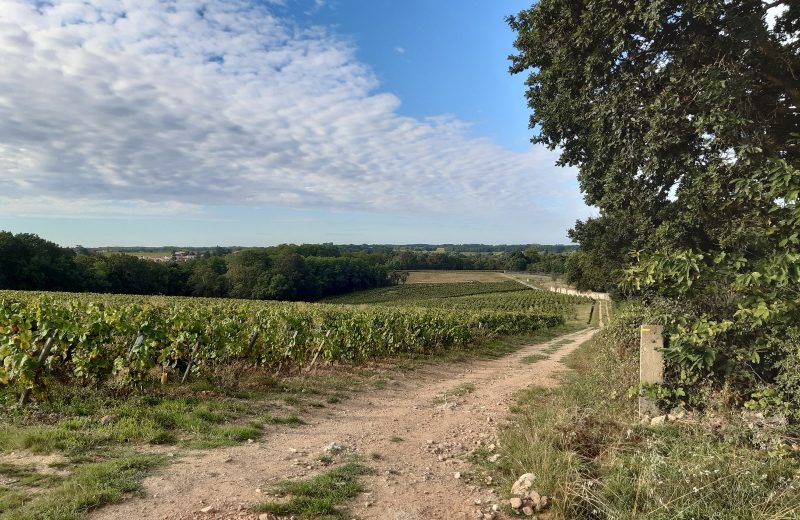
{"x": 184, "y": 104}
{"x": 400, "y": 50}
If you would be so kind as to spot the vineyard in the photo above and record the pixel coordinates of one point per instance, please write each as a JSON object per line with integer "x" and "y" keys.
{"x": 471, "y": 296}
{"x": 132, "y": 339}
{"x": 415, "y": 293}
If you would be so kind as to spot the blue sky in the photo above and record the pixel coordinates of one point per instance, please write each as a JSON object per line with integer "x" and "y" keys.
{"x": 229, "y": 122}
{"x": 438, "y": 57}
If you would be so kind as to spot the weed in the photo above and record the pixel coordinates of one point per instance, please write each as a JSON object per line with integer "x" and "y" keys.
{"x": 287, "y": 420}
{"x": 319, "y": 496}
{"x": 534, "y": 358}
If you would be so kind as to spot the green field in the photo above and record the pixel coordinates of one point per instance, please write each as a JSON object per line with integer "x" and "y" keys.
{"x": 414, "y": 293}
{"x": 471, "y": 296}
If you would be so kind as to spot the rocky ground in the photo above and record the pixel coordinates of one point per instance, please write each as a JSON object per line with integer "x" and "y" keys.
{"x": 416, "y": 435}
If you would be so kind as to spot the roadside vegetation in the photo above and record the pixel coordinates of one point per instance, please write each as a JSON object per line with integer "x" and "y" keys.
{"x": 319, "y": 497}
{"x": 592, "y": 455}
{"x": 682, "y": 119}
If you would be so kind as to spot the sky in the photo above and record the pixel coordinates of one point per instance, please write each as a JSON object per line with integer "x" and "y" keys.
{"x": 154, "y": 122}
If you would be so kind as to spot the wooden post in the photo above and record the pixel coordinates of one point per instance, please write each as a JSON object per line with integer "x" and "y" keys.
{"x": 651, "y": 364}
{"x": 189, "y": 364}
{"x": 600, "y": 322}
{"x": 26, "y": 394}
{"x": 136, "y": 344}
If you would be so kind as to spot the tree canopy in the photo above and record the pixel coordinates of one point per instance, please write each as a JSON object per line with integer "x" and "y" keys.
{"x": 683, "y": 119}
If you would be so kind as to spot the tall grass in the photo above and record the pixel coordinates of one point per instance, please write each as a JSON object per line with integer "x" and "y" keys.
{"x": 584, "y": 443}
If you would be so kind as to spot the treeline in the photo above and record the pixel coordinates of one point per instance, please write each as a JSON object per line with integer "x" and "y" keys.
{"x": 285, "y": 272}
{"x": 529, "y": 260}
{"x": 379, "y": 248}
{"x": 306, "y": 272}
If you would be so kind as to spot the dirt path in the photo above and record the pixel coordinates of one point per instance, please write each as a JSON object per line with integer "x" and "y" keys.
{"x": 519, "y": 280}
{"x": 416, "y": 476}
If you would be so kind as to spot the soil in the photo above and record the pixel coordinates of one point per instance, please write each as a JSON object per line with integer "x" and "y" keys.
{"x": 422, "y": 429}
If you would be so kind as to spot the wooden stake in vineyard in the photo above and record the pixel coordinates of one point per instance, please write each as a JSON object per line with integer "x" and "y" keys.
{"x": 26, "y": 394}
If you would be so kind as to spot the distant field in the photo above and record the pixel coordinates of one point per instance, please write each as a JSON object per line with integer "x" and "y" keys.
{"x": 506, "y": 296}
{"x": 454, "y": 276}
{"x": 540, "y": 280}
{"x": 145, "y": 254}
{"x": 413, "y": 293}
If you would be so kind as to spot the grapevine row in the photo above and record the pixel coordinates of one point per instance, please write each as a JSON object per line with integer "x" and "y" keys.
{"x": 97, "y": 337}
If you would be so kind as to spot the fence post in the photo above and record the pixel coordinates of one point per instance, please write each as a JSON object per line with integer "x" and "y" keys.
{"x": 651, "y": 364}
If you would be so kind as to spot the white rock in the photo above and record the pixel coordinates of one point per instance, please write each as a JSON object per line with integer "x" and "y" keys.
{"x": 207, "y": 509}
{"x": 515, "y": 502}
{"x": 544, "y": 503}
{"x": 523, "y": 484}
{"x": 457, "y": 475}
{"x": 656, "y": 421}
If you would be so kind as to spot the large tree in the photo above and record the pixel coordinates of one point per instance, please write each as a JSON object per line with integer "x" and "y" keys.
{"x": 683, "y": 119}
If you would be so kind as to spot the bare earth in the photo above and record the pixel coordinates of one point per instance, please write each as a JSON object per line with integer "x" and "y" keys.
{"x": 454, "y": 276}
{"x": 416, "y": 477}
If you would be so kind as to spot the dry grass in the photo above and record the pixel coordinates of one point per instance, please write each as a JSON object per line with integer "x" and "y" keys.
{"x": 584, "y": 443}
{"x": 454, "y": 276}
{"x": 542, "y": 281}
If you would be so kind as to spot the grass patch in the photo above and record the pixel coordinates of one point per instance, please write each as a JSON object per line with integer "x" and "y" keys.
{"x": 584, "y": 443}
{"x": 534, "y": 358}
{"x": 325, "y": 459}
{"x": 24, "y": 475}
{"x": 321, "y": 496}
{"x": 461, "y": 390}
{"x": 97, "y": 422}
{"x": 395, "y": 438}
{"x": 286, "y": 420}
{"x": 88, "y": 488}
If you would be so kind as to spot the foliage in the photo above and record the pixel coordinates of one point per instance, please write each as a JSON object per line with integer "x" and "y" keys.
{"x": 285, "y": 272}
{"x": 683, "y": 118}
{"x": 584, "y": 443}
{"x": 529, "y": 259}
{"x": 95, "y": 337}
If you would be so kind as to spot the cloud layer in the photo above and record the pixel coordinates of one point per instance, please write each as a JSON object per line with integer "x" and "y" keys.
{"x": 187, "y": 104}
